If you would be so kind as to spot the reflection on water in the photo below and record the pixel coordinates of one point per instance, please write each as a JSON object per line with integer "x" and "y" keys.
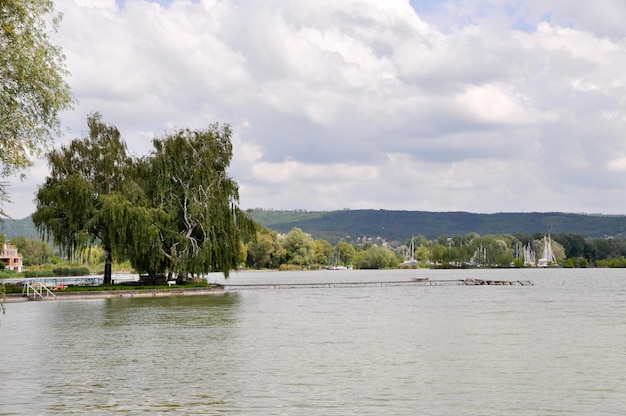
{"x": 110, "y": 355}
{"x": 551, "y": 349}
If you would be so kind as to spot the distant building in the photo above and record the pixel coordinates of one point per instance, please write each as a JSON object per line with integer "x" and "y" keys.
{"x": 11, "y": 258}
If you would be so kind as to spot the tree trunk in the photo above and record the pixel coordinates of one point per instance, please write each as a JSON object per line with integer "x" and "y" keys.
{"x": 108, "y": 268}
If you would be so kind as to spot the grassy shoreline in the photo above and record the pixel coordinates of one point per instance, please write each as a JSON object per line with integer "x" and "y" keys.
{"x": 118, "y": 294}
{"x": 15, "y": 293}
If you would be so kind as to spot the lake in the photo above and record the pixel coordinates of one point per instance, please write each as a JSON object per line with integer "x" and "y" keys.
{"x": 555, "y": 348}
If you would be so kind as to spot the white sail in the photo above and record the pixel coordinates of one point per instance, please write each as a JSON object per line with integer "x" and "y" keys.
{"x": 547, "y": 257}
{"x": 525, "y": 254}
{"x": 411, "y": 256}
{"x": 529, "y": 256}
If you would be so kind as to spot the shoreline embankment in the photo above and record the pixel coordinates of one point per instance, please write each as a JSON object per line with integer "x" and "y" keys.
{"x": 116, "y": 294}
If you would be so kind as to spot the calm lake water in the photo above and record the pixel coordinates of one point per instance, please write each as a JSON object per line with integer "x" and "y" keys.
{"x": 555, "y": 348}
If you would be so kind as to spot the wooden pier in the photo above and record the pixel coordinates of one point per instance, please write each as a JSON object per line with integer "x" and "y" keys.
{"x": 412, "y": 282}
{"x": 482, "y": 282}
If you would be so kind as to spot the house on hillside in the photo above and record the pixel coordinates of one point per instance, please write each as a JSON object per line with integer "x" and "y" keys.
{"x": 11, "y": 258}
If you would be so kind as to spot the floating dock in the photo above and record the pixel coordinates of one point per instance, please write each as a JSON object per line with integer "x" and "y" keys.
{"x": 412, "y": 282}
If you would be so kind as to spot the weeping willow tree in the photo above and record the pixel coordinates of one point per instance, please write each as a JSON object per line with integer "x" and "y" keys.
{"x": 86, "y": 177}
{"x": 195, "y": 202}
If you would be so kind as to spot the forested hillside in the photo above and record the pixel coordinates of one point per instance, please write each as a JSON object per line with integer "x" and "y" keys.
{"x": 402, "y": 225}
{"x": 18, "y": 228}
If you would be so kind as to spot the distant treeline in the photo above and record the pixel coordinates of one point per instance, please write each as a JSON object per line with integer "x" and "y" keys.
{"x": 352, "y": 225}
{"x": 299, "y": 249}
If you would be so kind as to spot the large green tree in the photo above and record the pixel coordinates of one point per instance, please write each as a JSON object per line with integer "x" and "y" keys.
{"x": 323, "y": 252}
{"x": 194, "y": 203}
{"x": 32, "y": 87}
{"x": 265, "y": 251}
{"x": 345, "y": 252}
{"x": 78, "y": 199}
{"x": 300, "y": 247}
{"x": 375, "y": 257}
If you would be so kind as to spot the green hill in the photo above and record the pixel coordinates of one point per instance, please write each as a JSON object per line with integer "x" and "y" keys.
{"x": 402, "y": 225}
{"x": 18, "y": 228}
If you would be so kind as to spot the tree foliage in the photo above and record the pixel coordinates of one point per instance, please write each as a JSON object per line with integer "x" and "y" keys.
{"x": 322, "y": 252}
{"x": 299, "y": 247}
{"x": 265, "y": 251}
{"x": 74, "y": 204}
{"x": 33, "y": 251}
{"x": 345, "y": 252}
{"x": 375, "y": 257}
{"x": 174, "y": 211}
{"x": 194, "y": 201}
{"x": 32, "y": 87}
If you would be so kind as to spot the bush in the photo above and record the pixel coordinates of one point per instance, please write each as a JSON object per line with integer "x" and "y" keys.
{"x": 39, "y": 273}
{"x": 7, "y": 273}
{"x": 577, "y": 262}
{"x": 619, "y": 262}
{"x": 71, "y": 271}
{"x": 291, "y": 267}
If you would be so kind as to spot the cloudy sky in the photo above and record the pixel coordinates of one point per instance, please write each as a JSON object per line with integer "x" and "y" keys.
{"x": 437, "y": 105}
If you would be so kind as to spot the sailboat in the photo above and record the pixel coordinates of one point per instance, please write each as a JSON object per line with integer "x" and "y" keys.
{"x": 547, "y": 257}
{"x": 526, "y": 254}
{"x": 412, "y": 249}
{"x": 337, "y": 263}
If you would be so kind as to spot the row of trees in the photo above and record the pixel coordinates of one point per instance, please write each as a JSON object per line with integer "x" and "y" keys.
{"x": 269, "y": 250}
{"x": 266, "y": 249}
{"x": 173, "y": 212}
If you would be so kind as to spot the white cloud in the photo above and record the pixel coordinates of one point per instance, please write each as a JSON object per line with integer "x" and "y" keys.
{"x": 617, "y": 164}
{"x": 493, "y": 104}
{"x": 477, "y": 105}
